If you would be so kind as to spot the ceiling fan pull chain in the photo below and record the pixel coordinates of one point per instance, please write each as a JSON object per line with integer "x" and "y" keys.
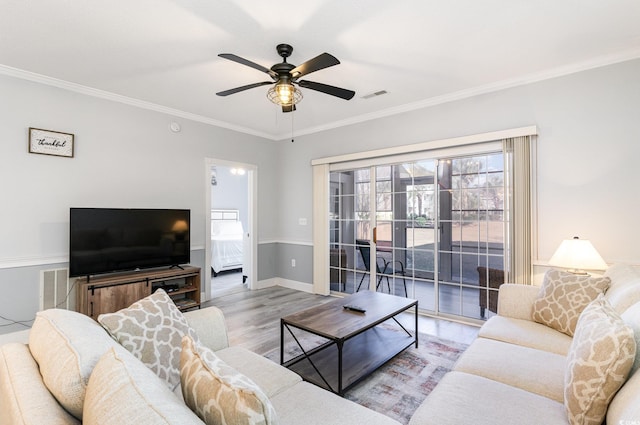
{"x": 292, "y": 115}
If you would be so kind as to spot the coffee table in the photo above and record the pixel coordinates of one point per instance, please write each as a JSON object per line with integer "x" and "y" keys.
{"x": 352, "y": 344}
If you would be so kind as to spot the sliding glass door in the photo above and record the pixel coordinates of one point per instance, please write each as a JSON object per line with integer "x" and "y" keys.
{"x": 425, "y": 229}
{"x": 472, "y": 223}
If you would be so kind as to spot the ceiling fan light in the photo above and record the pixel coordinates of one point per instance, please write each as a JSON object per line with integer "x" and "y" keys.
{"x": 284, "y": 94}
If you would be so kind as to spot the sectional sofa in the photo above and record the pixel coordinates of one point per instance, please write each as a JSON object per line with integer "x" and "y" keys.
{"x": 518, "y": 371}
{"x": 72, "y": 371}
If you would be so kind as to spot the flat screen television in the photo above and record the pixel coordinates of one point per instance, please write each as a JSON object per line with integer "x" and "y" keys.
{"x": 106, "y": 240}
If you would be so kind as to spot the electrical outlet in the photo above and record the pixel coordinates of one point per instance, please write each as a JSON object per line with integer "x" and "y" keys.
{"x": 302, "y": 221}
{"x": 293, "y": 262}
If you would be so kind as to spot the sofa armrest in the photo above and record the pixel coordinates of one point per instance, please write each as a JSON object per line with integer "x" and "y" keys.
{"x": 210, "y": 327}
{"x": 19, "y": 336}
{"x": 516, "y": 300}
{"x": 24, "y": 398}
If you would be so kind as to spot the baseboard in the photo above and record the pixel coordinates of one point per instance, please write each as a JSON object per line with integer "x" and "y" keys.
{"x": 267, "y": 283}
{"x": 298, "y": 286}
{"x": 285, "y": 283}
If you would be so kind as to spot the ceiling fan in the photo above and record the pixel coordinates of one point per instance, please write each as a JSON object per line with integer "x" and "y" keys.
{"x": 286, "y": 76}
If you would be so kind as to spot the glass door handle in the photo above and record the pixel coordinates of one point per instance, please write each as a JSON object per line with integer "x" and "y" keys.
{"x": 375, "y": 235}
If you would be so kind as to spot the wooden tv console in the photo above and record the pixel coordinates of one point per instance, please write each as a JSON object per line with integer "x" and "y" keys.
{"x": 110, "y": 293}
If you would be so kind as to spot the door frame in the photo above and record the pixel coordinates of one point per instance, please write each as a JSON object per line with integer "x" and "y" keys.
{"x": 322, "y": 166}
{"x": 252, "y": 221}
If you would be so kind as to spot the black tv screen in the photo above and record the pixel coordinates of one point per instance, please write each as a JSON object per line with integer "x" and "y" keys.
{"x": 105, "y": 240}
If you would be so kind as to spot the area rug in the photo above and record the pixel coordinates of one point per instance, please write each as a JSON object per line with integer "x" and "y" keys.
{"x": 397, "y": 388}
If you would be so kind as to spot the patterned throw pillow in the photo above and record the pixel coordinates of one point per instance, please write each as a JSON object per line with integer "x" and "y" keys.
{"x": 598, "y": 363}
{"x": 152, "y": 329}
{"x": 563, "y": 296}
{"x": 219, "y": 394}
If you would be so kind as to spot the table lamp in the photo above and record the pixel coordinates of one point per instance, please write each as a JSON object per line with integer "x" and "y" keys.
{"x": 577, "y": 255}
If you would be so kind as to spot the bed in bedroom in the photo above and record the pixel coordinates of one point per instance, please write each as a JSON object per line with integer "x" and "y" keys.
{"x": 226, "y": 241}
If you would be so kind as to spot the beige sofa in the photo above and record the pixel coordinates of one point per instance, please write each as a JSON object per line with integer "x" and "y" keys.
{"x": 514, "y": 372}
{"x": 138, "y": 396}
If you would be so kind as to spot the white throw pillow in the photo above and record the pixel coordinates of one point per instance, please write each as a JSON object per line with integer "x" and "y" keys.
{"x": 67, "y": 345}
{"x": 152, "y": 329}
{"x": 124, "y": 391}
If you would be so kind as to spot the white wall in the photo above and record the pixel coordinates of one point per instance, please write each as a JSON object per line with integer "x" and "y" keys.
{"x": 587, "y": 176}
{"x": 124, "y": 157}
{"x": 588, "y": 151}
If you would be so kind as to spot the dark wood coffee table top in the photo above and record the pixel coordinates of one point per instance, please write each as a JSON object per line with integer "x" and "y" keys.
{"x": 331, "y": 320}
{"x": 356, "y": 346}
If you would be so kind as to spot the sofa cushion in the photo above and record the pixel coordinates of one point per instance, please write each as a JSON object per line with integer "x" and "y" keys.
{"x": 152, "y": 329}
{"x": 67, "y": 345}
{"x": 219, "y": 394}
{"x": 622, "y": 293}
{"x": 269, "y": 376}
{"x": 526, "y": 333}
{"x": 503, "y": 362}
{"x": 516, "y": 300}
{"x": 631, "y": 317}
{"x": 624, "y": 408}
{"x": 24, "y": 399}
{"x": 210, "y": 326}
{"x": 307, "y": 404}
{"x": 598, "y": 362}
{"x": 563, "y": 296}
{"x": 122, "y": 390}
{"x": 461, "y": 398}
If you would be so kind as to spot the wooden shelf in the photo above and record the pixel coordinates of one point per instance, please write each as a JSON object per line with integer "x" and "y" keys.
{"x": 362, "y": 355}
{"x": 110, "y": 293}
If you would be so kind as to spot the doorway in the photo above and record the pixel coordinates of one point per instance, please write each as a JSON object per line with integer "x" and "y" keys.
{"x": 230, "y": 216}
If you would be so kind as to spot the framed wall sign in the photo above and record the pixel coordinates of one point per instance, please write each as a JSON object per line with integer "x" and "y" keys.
{"x": 48, "y": 142}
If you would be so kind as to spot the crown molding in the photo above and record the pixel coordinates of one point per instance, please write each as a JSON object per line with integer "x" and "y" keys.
{"x": 598, "y": 62}
{"x": 102, "y": 94}
{"x": 475, "y": 91}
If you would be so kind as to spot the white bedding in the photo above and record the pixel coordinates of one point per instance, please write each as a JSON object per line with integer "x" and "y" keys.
{"x": 226, "y": 245}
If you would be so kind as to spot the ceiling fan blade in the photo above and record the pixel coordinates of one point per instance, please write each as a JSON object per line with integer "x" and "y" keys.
{"x": 243, "y": 88}
{"x": 322, "y": 61}
{"x": 325, "y": 88}
{"x": 288, "y": 108}
{"x": 248, "y": 63}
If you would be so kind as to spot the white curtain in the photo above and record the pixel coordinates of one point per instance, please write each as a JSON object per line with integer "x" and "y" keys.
{"x": 518, "y": 165}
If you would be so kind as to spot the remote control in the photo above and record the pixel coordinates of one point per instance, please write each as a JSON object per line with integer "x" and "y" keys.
{"x": 354, "y": 308}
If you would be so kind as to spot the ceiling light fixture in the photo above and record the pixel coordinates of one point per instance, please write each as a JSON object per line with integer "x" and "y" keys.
{"x": 287, "y": 76}
{"x": 284, "y": 94}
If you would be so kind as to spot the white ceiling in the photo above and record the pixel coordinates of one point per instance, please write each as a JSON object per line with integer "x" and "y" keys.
{"x": 162, "y": 54}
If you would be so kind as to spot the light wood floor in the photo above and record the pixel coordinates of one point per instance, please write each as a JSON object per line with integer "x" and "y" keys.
{"x": 226, "y": 282}
{"x": 253, "y": 317}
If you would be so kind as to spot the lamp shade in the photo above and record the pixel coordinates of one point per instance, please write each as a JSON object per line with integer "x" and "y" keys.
{"x": 577, "y": 255}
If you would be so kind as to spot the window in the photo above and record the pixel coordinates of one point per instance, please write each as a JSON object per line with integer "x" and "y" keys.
{"x": 436, "y": 225}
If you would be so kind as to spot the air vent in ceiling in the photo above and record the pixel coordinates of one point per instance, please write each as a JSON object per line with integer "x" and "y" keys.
{"x": 374, "y": 94}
